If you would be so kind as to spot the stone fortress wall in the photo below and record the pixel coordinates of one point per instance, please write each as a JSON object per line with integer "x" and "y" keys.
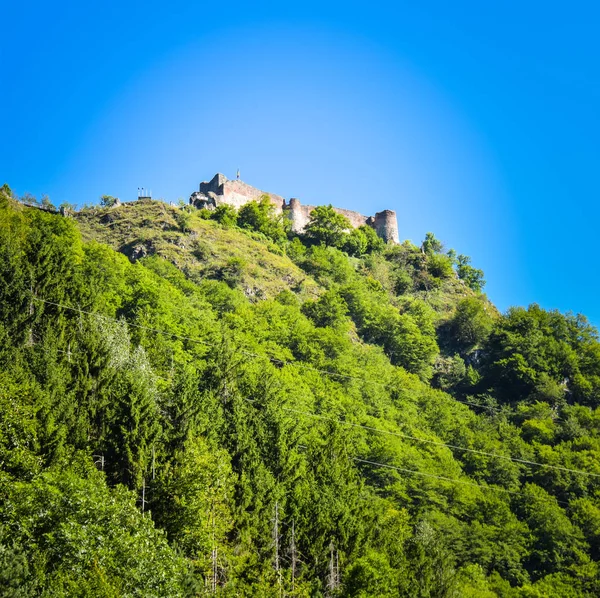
{"x": 222, "y": 191}
{"x": 234, "y": 193}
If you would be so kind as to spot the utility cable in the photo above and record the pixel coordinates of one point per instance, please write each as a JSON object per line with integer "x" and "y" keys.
{"x": 438, "y": 443}
{"x": 343, "y": 422}
{"x": 325, "y": 372}
{"x": 438, "y": 477}
{"x": 371, "y": 428}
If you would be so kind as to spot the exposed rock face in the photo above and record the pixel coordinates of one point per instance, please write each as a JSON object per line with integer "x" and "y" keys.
{"x": 220, "y": 190}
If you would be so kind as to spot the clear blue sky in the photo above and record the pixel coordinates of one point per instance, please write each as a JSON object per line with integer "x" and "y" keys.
{"x": 478, "y": 121}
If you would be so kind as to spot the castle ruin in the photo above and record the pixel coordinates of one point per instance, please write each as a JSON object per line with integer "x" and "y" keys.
{"x": 222, "y": 191}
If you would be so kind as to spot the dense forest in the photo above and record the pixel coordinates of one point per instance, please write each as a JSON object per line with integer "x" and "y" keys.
{"x": 201, "y": 403}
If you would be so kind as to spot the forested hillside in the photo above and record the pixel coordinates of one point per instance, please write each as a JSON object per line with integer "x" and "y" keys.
{"x": 200, "y": 403}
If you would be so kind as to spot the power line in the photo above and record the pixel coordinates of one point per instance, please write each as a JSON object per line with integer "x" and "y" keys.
{"x": 438, "y": 477}
{"x": 415, "y": 472}
{"x": 444, "y": 478}
{"x": 438, "y": 443}
{"x": 325, "y": 372}
{"x": 432, "y": 475}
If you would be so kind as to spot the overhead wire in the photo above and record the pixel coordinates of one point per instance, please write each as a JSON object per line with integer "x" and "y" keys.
{"x": 444, "y": 444}
{"x": 439, "y": 477}
{"x": 328, "y": 373}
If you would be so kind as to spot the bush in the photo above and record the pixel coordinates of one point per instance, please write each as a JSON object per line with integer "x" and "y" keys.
{"x": 431, "y": 245}
{"x": 439, "y": 266}
{"x": 473, "y": 277}
{"x": 355, "y": 243}
{"x": 471, "y": 324}
{"x": 184, "y": 220}
{"x": 327, "y": 227}
{"x": 374, "y": 242}
{"x": 329, "y": 310}
{"x": 260, "y": 216}
{"x": 449, "y": 372}
{"x": 232, "y": 273}
{"x": 225, "y": 215}
{"x": 403, "y": 282}
{"x": 108, "y": 201}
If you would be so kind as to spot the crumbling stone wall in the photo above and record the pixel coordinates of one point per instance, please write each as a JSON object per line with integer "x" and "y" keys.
{"x": 220, "y": 190}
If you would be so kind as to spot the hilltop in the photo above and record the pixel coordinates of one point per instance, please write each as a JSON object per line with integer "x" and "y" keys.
{"x": 200, "y": 401}
{"x": 204, "y": 249}
{"x": 220, "y": 191}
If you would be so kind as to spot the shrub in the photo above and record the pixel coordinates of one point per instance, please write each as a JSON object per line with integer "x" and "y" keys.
{"x": 108, "y": 201}
{"x": 327, "y": 227}
{"x": 225, "y": 215}
{"x": 439, "y": 266}
{"x": 260, "y": 216}
{"x": 329, "y": 310}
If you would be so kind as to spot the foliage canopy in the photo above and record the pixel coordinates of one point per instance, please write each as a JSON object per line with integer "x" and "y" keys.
{"x": 178, "y": 425}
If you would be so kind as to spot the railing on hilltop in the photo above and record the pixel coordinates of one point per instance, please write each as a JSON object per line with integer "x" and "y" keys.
{"x": 53, "y": 210}
{"x": 40, "y": 207}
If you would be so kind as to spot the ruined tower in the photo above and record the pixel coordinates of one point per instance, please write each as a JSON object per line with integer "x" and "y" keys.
{"x": 386, "y": 226}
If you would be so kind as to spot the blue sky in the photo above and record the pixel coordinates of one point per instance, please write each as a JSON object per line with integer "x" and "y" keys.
{"x": 477, "y": 121}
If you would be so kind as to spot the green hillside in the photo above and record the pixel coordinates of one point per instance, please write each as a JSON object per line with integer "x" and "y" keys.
{"x": 204, "y": 250}
{"x": 200, "y": 403}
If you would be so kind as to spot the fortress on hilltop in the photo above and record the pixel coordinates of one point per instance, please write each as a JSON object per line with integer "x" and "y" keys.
{"x": 222, "y": 191}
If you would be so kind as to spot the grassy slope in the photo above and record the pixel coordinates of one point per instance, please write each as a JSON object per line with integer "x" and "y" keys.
{"x": 150, "y": 227}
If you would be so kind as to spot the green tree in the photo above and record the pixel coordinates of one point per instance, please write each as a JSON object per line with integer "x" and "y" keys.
{"x": 192, "y": 497}
{"x": 472, "y": 323}
{"x": 473, "y": 277}
{"x": 326, "y": 226}
{"x": 46, "y": 203}
{"x": 260, "y": 216}
{"x": 107, "y": 201}
{"x": 355, "y": 243}
{"x": 533, "y": 353}
{"x": 134, "y": 426}
{"x": 439, "y": 266}
{"x": 449, "y": 371}
{"x": 82, "y": 539}
{"x": 28, "y": 198}
{"x": 184, "y": 220}
{"x": 371, "y": 575}
{"x": 329, "y": 310}
{"x": 374, "y": 242}
{"x": 431, "y": 245}
{"x": 67, "y": 207}
{"x": 557, "y": 543}
{"x": 6, "y": 192}
{"x": 225, "y": 215}
{"x": 432, "y": 571}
